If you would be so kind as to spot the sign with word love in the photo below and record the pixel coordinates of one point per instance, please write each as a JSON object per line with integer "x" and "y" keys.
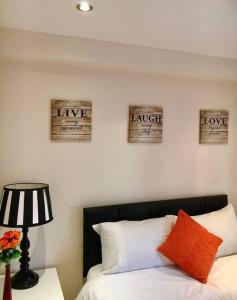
{"x": 214, "y": 126}
{"x": 71, "y": 120}
{"x": 145, "y": 124}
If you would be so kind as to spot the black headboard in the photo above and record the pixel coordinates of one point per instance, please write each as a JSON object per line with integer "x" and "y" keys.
{"x": 138, "y": 211}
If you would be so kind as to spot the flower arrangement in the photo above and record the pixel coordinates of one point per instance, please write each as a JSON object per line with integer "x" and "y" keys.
{"x": 8, "y": 243}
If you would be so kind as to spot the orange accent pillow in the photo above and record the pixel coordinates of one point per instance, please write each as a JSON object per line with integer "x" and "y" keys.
{"x": 191, "y": 247}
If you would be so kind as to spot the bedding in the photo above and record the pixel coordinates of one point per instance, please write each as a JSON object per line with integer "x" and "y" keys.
{"x": 222, "y": 223}
{"x": 191, "y": 247}
{"x": 163, "y": 283}
{"x": 138, "y": 211}
{"x": 123, "y": 248}
{"x": 131, "y": 245}
{"x": 157, "y": 282}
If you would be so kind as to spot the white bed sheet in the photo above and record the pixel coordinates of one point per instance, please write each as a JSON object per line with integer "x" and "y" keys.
{"x": 163, "y": 283}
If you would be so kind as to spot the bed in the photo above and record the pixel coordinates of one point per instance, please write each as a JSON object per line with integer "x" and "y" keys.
{"x": 156, "y": 283}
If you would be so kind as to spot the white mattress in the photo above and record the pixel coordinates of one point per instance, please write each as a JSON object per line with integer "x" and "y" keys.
{"x": 164, "y": 283}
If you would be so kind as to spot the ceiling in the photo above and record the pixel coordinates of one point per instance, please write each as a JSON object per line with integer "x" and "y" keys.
{"x": 205, "y": 27}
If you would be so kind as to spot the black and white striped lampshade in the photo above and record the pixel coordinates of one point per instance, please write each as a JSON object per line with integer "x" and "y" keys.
{"x": 25, "y": 205}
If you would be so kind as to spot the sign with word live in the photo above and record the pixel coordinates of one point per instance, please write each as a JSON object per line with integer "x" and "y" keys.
{"x": 145, "y": 124}
{"x": 71, "y": 120}
{"x": 214, "y": 126}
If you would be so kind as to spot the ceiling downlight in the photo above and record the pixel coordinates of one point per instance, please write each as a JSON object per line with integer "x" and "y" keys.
{"x": 84, "y": 6}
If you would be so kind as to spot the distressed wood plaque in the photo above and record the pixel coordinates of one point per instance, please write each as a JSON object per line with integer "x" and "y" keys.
{"x": 71, "y": 120}
{"x": 214, "y": 126}
{"x": 145, "y": 124}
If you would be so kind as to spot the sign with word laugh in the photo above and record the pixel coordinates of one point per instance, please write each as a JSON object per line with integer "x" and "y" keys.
{"x": 71, "y": 120}
{"x": 145, "y": 124}
{"x": 214, "y": 126}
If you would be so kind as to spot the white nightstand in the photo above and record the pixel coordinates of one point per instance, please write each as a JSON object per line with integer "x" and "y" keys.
{"x": 47, "y": 288}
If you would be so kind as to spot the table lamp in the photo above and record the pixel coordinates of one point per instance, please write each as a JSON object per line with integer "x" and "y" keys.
{"x": 25, "y": 205}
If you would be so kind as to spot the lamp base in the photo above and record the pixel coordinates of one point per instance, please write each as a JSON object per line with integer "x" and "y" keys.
{"x": 24, "y": 280}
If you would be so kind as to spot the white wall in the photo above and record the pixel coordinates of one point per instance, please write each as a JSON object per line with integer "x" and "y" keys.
{"x": 77, "y": 52}
{"x": 108, "y": 169}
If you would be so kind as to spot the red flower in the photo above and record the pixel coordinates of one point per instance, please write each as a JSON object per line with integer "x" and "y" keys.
{"x": 12, "y": 234}
{"x": 10, "y": 240}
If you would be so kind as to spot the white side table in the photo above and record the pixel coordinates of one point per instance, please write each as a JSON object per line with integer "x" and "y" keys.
{"x": 47, "y": 288}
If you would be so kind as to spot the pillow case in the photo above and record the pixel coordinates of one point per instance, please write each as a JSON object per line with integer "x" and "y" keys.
{"x": 131, "y": 245}
{"x": 191, "y": 247}
{"x": 222, "y": 223}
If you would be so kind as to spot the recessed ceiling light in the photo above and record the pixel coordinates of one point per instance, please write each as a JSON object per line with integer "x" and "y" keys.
{"x": 84, "y": 6}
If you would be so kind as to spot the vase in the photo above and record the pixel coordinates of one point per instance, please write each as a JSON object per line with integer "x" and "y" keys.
{"x": 7, "y": 291}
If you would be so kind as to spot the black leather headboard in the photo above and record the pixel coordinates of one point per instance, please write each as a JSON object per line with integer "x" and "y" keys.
{"x": 138, "y": 211}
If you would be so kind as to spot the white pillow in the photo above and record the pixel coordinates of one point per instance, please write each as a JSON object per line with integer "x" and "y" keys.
{"x": 222, "y": 223}
{"x": 131, "y": 245}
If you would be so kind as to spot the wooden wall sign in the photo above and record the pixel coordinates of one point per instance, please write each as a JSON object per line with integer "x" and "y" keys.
{"x": 71, "y": 120}
{"x": 145, "y": 124}
{"x": 214, "y": 126}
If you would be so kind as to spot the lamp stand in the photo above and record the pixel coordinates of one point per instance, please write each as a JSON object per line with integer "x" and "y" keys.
{"x": 25, "y": 278}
